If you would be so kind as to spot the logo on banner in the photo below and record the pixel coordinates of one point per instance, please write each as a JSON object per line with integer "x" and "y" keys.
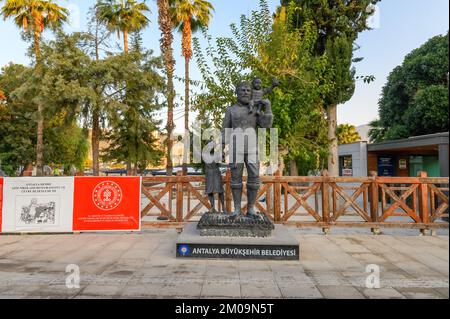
{"x": 107, "y": 195}
{"x": 184, "y": 250}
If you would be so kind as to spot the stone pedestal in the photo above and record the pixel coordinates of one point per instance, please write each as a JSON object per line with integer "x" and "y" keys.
{"x": 280, "y": 246}
{"x": 222, "y": 225}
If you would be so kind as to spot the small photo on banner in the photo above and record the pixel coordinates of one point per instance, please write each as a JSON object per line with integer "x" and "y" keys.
{"x": 37, "y": 204}
{"x": 107, "y": 204}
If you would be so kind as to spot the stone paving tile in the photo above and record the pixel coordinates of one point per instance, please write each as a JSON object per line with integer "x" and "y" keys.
{"x": 420, "y": 293}
{"x": 305, "y": 291}
{"x": 54, "y": 291}
{"x": 102, "y": 290}
{"x": 182, "y": 290}
{"x": 430, "y": 244}
{"x": 340, "y": 292}
{"x": 383, "y": 293}
{"x": 131, "y": 291}
{"x": 443, "y": 291}
{"x": 221, "y": 270}
{"x": 225, "y": 289}
{"x": 260, "y": 290}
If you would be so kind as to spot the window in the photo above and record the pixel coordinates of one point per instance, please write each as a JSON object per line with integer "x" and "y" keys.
{"x": 346, "y": 165}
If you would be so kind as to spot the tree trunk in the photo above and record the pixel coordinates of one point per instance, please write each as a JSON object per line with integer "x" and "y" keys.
{"x": 293, "y": 169}
{"x": 333, "y": 155}
{"x": 125, "y": 41}
{"x": 40, "y": 115}
{"x": 187, "y": 53}
{"x": 95, "y": 143}
{"x": 95, "y": 140}
{"x": 129, "y": 169}
{"x": 186, "y": 115}
{"x": 165, "y": 25}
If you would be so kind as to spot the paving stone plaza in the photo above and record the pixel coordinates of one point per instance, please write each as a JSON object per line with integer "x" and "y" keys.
{"x": 143, "y": 265}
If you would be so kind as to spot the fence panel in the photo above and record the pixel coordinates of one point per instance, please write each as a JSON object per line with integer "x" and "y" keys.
{"x": 317, "y": 201}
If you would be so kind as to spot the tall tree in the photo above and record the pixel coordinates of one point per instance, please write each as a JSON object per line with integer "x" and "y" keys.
{"x": 260, "y": 46}
{"x": 65, "y": 142}
{"x": 166, "y": 27}
{"x": 338, "y": 24}
{"x": 17, "y": 121}
{"x": 97, "y": 41}
{"x": 34, "y": 16}
{"x": 415, "y": 98}
{"x": 131, "y": 137}
{"x": 123, "y": 16}
{"x": 188, "y": 17}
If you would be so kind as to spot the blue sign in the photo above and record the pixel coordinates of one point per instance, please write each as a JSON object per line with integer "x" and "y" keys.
{"x": 386, "y": 166}
{"x": 184, "y": 250}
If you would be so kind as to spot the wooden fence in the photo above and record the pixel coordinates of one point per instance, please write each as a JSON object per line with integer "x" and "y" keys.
{"x": 372, "y": 202}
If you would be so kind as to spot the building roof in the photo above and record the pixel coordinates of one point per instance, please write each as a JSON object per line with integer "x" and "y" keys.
{"x": 412, "y": 142}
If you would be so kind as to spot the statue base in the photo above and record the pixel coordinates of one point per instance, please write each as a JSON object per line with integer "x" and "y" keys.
{"x": 280, "y": 246}
{"x": 224, "y": 225}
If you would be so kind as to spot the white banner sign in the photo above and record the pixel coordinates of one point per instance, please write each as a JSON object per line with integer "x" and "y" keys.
{"x": 38, "y": 205}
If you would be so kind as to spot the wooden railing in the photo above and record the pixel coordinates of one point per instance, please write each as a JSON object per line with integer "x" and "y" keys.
{"x": 323, "y": 201}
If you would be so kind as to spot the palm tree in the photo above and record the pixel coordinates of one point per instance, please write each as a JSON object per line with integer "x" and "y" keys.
{"x": 123, "y": 16}
{"x": 188, "y": 16}
{"x": 347, "y": 134}
{"x": 166, "y": 27}
{"x": 35, "y": 16}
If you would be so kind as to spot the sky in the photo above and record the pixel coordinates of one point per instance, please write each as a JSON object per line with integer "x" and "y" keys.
{"x": 399, "y": 27}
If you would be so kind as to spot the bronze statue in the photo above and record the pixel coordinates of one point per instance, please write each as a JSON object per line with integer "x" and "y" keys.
{"x": 237, "y": 120}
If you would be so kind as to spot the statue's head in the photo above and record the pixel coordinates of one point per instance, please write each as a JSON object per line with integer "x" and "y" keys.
{"x": 257, "y": 84}
{"x": 244, "y": 93}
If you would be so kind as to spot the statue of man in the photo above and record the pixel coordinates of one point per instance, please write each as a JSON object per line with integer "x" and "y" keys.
{"x": 240, "y": 127}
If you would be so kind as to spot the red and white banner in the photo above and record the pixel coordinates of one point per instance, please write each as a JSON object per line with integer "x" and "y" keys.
{"x": 103, "y": 204}
{"x": 67, "y": 204}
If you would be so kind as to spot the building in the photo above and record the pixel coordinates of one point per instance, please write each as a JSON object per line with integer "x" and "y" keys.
{"x": 402, "y": 158}
{"x": 353, "y": 159}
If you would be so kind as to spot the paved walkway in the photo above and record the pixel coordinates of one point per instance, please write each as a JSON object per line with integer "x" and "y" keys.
{"x": 143, "y": 266}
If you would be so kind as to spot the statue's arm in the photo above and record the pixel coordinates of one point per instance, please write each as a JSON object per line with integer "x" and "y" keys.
{"x": 268, "y": 90}
{"x": 275, "y": 84}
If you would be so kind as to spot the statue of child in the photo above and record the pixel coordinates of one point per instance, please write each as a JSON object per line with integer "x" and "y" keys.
{"x": 258, "y": 94}
{"x": 214, "y": 182}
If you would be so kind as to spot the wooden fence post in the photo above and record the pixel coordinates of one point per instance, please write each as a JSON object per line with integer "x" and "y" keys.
{"x": 277, "y": 197}
{"x": 374, "y": 200}
{"x": 179, "y": 202}
{"x": 423, "y": 202}
{"x": 325, "y": 203}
